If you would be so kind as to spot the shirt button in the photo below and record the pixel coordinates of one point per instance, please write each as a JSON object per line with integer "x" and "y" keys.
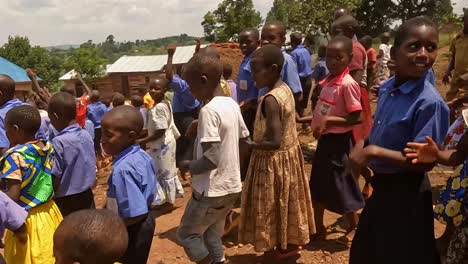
{"x": 378, "y": 122}
{"x": 392, "y": 94}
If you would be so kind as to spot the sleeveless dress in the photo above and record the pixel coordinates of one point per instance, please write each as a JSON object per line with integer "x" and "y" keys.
{"x": 276, "y": 204}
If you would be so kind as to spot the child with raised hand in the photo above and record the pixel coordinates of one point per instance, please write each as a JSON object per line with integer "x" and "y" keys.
{"x": 90, "y": 237}
{"x": 276, "y": 210}
{"x": 275, "y": 33}
{"x": 12, "y": 217}
{"x": 337, "y": 111}
{"x": 396, "y": 225}
{"x": 95, "y": 112}
{"x": 132, "y": 181}
{"x": 456, "y": 209}
{"x": 82, "y": 101}
{"x": 27, "y": 179}
{"x": 216, "y": 178}
{"x": 161, "y": 141}
{"x": 75, "y": 160}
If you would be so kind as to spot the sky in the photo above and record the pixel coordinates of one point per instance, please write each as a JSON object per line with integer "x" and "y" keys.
{"x": 57, "y": 22}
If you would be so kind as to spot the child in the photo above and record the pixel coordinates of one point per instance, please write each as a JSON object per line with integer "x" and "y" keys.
{"x": 90, "y": 237}
{"x": 396, "y": 225}
{"x": 458, "y": 63}
{"x": 95, "y": 112}
{"x": 383, "y": 72}
{"x": 27, "y": 179}
{"x": 132, "y": 182}
{"x": 276, "y": 208}
{"x": 216, "y": 179}
{"x": 348, "y": 26}
{"x": 89, "y": 127}
{"x": 75, "y": 160}
{"x": 303, "y": 61}
{"x": 81, "y": 102}
{"x": 456, "y": 209}
{"x": 161, "y": 141}
{"x": 227, "y": 73}
{"x": 247, "y": 92}
{"x": 366, "y": 42}
{"x": 275, "y": 33}
{"x": 147, "y": 100}
{"x": 319, "y": 73}
{"x": 12, "y": 217}
{"x": 137, "y": 102}
{"x": 337, "y": 111}
{"x": 117, "y": 100}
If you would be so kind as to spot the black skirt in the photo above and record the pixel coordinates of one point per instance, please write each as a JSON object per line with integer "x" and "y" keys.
{"x": 397, "y": 225}
{"x": 329, "y": 185}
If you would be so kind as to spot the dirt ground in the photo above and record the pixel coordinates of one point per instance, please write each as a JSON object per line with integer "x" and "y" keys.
{"x": 166, "y": 251}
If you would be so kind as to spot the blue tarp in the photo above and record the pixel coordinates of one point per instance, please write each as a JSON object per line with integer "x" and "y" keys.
{"x": 14, "y": 71}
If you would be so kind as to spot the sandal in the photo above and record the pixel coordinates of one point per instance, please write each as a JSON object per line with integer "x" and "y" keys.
{"x": 288, "y": 253}
{"x": 232, "y": 221}
{"x": 347, "y": 239}
{"x": 321, "y": 234}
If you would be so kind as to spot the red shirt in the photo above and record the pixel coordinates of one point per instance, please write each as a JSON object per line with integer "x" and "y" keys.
{"x": 81, "y": 105}
{"x": 371, "y": 55}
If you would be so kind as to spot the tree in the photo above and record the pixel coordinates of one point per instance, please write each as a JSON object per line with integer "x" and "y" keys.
{"x": 281, "y": 10}
{"x": 436, "y": 9}
{"x": 230, "y": 18}
{"x": 88, "y": 61}
{"x": 374, "y": 16}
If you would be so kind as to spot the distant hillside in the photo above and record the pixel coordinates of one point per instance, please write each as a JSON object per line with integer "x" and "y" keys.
{"x": 63, "y": 47}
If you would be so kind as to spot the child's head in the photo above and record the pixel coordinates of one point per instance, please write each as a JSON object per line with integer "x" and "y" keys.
{"x": 120, "y": 129}
{"x": 416, "y": 43}
{"x": 322, "y": 51}
{"x": 106, "y": 101}
{"x": 385, "y": 38}
{"x": 142, "y": 91}
{"x": 118, "y": 99}
{"x": 227, "y": 71}
{"x": 158, "y": 87}
{"x": 340, "y": 12}
{"x": 339, "y": 54}
{"x": 95, "y": 96}
{"x": 366, "y": 42}
{"x": 266, "y": 65}
{"x": 90, "y": 237}
{"x": 62, "y": 110}
{"x": 211, "y": 52}
{"x": 7, "y": 89}
{"x": 21, "y": 124}
{"x": 296, "y": 39}
{"x": 69, "y": 89}
{"x": 345, "y": 25}
{"x": 136, "y": 100}
{"x": 203, "y": 74}
{"x": 273, "y": 33}
{"x": 249, "y": 40}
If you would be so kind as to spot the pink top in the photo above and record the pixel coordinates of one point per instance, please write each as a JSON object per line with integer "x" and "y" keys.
{"x": 339, "y": 97}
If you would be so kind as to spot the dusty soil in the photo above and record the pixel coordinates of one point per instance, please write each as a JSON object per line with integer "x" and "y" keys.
{"x": 165, "y": 249}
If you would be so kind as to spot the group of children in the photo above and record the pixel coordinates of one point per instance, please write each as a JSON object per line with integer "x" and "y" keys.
{"x": 224, "y": 133}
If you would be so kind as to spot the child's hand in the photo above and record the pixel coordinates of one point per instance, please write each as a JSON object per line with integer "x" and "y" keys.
{"x": 21, "y": 234}
{"x": 192, "y": 130}
{"x": 184, "y": 164}
{"x": 171, "y": 49}
{"x": 358, "y": 159}
{"x": 30, "y": 74}
{"x": 246, "y": 105}
{"x": 422, "y": 152}
{"x": 316, "y": 133}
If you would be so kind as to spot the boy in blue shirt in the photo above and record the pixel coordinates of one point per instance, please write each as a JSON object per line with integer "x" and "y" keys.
{"x": 301, "y": 56}
{"x": 132, "y": 184}
{"x": 95, "y": 112}
{"x": 74, "y": 166}
{"x": 247, "y": 92}
{"x": 319, "y": 73}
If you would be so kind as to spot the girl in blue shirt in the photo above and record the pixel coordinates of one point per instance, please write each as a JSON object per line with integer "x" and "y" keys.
{"x": 396, "y": 225}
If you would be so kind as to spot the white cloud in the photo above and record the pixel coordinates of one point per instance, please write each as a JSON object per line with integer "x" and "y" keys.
{"x": 52, "y": 22}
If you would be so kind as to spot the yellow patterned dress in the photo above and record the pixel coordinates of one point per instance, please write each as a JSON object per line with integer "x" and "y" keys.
{"x": 276, "y": 204}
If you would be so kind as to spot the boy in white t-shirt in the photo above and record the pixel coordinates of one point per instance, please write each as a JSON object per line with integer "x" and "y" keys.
{"x": 383, "y": 73}
{"x": 215, "y": 171}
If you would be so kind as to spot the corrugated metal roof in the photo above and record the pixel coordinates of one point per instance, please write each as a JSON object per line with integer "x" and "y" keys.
{"x": 14, "y": 71}
{"x": 150, "y": 63}
{"x": 71, "y": 74}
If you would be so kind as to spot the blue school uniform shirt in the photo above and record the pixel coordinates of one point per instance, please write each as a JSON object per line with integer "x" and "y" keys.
{"x": 183, "y": 100}
{"x": 132, "y": 182}
{"x": 89, "y": 126}
{"x": 42, "y": 133}
{"x": 301, "y": 56}
{"x": 75, "y": 161}
{"x": 95, "y": 112}
{"x": 289, "y": 75}
{"x": 12, "y": 216}
{"x": 320, "y": 71}
{"x": 405, "y": 114}
{"x": 246, "y": 88}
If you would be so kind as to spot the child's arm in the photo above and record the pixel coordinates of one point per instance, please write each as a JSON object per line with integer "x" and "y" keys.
{"x": 429, "y": 152}
{"x": 351, "y": 119}
{"x": 448, "y": 72}
{"x": 209, "y": 161}
{"x": 13, "y": 217}
{"x": 171, "y": 49}
{"x": 304, "y": 119}
{"x": 155, "y": 136}
{"x": 12, "y": 188}
{"x": 357, "y": 75}
{"x": 87, "y": 89}
{"x": 273, "y": 135}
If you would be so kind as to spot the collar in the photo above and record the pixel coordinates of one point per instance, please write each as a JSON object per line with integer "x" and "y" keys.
{"x": 408, "y": 86}
{"x": 129, "y": 150}
{"x": 72, "y": 128}
{"x": 300, "y": 47}
{"x": 338, "y": 80}
{"x": 13, "y": 101}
